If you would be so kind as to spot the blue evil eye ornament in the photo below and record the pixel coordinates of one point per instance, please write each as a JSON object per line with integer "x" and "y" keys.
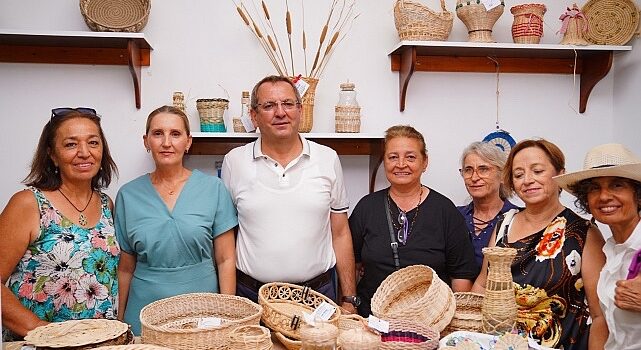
{"x": 500, "y": 139}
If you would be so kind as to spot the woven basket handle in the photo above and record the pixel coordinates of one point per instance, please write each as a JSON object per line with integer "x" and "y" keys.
{"x": 443, "y": 5}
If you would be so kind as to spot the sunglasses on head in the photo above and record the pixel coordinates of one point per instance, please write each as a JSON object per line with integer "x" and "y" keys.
{"x": 61, "y": 112}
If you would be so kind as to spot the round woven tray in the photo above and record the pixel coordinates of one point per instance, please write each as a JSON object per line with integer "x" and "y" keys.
{"x": 415, "y": 293}
{"x": 80, "y": 334}
{"x": 284, "y": 304}
{"x": 172, "y": 322}
{"x": 115, "y": 15}
{"x": 611, "y": 22}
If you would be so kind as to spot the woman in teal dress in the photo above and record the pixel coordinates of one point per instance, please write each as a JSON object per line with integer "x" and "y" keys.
{"x": 175, "y": 226}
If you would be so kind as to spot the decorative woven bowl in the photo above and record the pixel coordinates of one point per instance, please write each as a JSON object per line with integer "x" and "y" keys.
{"x": 250, "y": 338}
{"x": 172, "y": 322}
{"x": 284, "y": 304}
{"x": 409, "y": 335}
{"x": 468, "y": 316}
{"x": 415, "y": 293}
{"x": 415, "y": 21}
{"x": 115, "y": 15}
{"x": 80, "y": 334}
{"x": 478, "y": 20}
{"x": 611, "y": 22}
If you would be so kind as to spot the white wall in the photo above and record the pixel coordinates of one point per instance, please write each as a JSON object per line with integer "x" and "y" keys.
{"x": 201, "y": 45}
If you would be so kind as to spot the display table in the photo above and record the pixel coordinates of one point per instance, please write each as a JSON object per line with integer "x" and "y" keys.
{"x": 17, "y": 345}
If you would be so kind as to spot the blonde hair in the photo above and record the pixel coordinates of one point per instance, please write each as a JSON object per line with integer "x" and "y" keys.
{"x": 406, "y": 131}
{"x": 171, "y": 110}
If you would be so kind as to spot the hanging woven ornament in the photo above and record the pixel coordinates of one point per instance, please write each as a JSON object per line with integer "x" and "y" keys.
{"x": 499, "y": 138}
{"x": 574, "y": 25}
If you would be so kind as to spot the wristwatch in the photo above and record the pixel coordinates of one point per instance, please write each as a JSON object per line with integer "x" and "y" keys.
{"x": 352, "y": 299}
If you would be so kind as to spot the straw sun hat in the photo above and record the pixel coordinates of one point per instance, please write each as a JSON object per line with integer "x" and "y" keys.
{"x": 611, "y": 159}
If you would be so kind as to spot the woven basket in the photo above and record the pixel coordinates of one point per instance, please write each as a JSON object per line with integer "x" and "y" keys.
{"x": 416, "y": 336}
{"x": 250, "y": 338}
{"x": 478, "y": 20}
{"x": 171, "y": 322}
{"x": 134, "y": 347}
{"x": 115, "y": 15}
{"x": 574, "y": 26}
{"x": 238, "y": 125}
{"x": 468, "y": 316}
{"x": 307, "y": 104}
{"x": 527, "y": 27}
{"x": 284, "y": 304}
{"x": 415, "y": 21}
{"x": 499, "y": 303}
{"x": 415, "y": 293}
{"x": 348, "y": 119}
{"x": 358, "y": 339}
{"x": 80, "y": 334}
{"x": 211, "y": 111}
{"x": 288, "y": 343}
{"x": 611, "y": 22}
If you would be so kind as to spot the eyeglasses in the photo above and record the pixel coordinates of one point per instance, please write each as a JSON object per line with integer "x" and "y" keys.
{"x": 403, "y": 232}
{"x": 287, "y": 105}
{"x": 62, "y": 111}
{"x": 481, "y": 171}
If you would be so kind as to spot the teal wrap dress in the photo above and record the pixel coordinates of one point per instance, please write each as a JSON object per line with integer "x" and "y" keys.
{"x": 173, "y": 249}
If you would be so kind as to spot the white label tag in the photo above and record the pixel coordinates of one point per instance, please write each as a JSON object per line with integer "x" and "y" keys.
{"x": 247, "y": 123}
{"x": 324, "y": 311}
{"x": 378, "y": 324}
{"x": 209, "y": 322}
{"x": 490, "y": 4}
{"x": 301, "y": 86}
{"x": 309, "y": 319}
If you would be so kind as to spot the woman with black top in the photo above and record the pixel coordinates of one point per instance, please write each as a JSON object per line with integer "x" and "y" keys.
{"x": 425, "y": 225}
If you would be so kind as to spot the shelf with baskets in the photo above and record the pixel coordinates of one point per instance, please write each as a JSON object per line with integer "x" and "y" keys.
{"x": 593, "y": 62}
{"x": 206, "y": 143}
{"x": 95, "y": 48}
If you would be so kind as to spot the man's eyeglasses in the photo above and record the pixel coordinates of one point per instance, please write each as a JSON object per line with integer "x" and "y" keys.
{"x": 62, "y": 111}
{"x": 287, "y": 105}
{"x": 481, "y": 171}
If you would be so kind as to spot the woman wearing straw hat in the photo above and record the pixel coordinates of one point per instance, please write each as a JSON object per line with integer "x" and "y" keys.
{"x": 609, "y": 188}
{"x": 558, "y": 253}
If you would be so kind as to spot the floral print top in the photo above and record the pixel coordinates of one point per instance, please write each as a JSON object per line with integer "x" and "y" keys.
{"x": 69, "y": 272}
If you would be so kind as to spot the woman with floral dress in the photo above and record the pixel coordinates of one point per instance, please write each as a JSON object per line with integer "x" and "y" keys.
{"x": 59, "y": 255}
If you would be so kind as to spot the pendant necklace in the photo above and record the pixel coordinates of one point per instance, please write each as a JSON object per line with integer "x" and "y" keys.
{"x": 82, "y": 219}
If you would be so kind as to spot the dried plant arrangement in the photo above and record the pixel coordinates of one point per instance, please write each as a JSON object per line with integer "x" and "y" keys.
{"x": 280, "y": 36}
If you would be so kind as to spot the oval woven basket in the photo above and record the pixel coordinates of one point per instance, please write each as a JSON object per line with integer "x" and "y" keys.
{"x": 115, "y": 15}
{"x": 80, "y": 334}
{"x": 611, "y": 22}
{"x": 172, "y": 322}
{"x": 468, "y": 316}
{"x": 284, "y": 304}
{"x": 415, "y": 21}
{"x": 415, "y": 293}
{"x": 416, "y": 336}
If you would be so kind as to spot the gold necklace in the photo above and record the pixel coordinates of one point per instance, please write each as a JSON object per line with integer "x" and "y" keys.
{"x": 82, "y": 219}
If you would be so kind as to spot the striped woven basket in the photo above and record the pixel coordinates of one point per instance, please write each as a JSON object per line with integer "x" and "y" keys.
{"x": 527, "y": 27}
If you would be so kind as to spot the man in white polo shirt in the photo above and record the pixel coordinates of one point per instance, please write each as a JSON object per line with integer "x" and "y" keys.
{"x": 291, "y": 201}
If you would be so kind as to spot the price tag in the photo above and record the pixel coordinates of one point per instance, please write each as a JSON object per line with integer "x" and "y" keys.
{"x": 309, "y": 319}
{"x": 301, "y": 86}
{"x": 247, "y": 123}
{"x": 378, "y": 324}
{"x": 490, "y": 4}
{"x": 209, "y": 322}
{"x": 324, "y": 311}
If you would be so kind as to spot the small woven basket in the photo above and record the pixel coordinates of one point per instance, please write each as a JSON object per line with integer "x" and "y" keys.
{"x": 358, "y": 339}
{"x": 172, "y": 322}
{"x": 415, "y": 21}
{"x": 409, "y": 335}
{"x": 415, "y": 293}
{"x": 115, "y": 15}
{"x": 250, "y": 338}
{"x": 284, "y": 304}
{"x": 211, "y": 111}
{"x": 527, "y": 27}
{"x": 478, "y": 20}
{"x": 468, "y": 315}
{"x": 307, "y": 105}
{"x": 611, "y": 22}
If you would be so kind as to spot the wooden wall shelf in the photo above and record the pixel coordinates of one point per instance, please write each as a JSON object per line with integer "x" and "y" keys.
{"x": 205, "y": 143}
{"x": 592, "y": 62}
{"x": 104, "y": 48}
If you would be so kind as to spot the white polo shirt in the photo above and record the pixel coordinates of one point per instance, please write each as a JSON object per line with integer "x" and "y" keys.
{"x": 284, "y": 230}
{"x": 624, "y": 326}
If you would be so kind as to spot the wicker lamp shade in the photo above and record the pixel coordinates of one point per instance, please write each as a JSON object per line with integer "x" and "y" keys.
{"x": 611, "y": 22}
{"x": 115, "y": 15}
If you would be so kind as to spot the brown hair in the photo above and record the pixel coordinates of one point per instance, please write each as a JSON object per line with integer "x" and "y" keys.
{"x": 406, "y": 131}
{"x": 580, "y": 190}
{"x": 171, "y": 110}
{"x": 44, "y": 173}
{"x": 271, "y": 79}
{"x": 553, "y": 152}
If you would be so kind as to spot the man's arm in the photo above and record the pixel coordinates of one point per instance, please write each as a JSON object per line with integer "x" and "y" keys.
{"x": 345, "y": 267}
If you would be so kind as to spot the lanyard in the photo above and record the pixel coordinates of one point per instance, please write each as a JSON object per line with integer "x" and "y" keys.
{"x": 394, "y": 243}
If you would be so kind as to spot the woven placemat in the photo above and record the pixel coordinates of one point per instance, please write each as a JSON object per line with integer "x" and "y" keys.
{"x": 116, "y": 13}
{"x": 76, "y": 333}
{"x": 611, "y": 22}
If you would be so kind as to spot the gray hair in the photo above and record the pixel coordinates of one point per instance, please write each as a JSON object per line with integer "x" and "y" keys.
{"x": 490, "y": 153}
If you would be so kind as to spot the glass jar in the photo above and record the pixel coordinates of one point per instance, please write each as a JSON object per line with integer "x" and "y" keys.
{"x": 348, "y": 112}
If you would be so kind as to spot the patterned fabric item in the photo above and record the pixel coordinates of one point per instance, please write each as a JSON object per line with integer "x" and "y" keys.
{"x": 550, "y": 296}
{"x": 69, "y": 272}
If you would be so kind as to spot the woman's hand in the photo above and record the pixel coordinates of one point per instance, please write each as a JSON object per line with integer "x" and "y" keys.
{"x": 627, "y": 294}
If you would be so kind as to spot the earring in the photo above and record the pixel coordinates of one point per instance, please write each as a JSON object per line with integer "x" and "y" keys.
{"x": 186, "y": 150}
{"x": 148, "y": 150}
{"x": 55, "y": 170}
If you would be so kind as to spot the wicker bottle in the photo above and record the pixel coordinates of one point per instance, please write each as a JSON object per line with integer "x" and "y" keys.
{"x": 244, "y": 113}
{"x": 179, "y": 100}
{"x": 499, "y": 304}
{"x": 348, "y": 112}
